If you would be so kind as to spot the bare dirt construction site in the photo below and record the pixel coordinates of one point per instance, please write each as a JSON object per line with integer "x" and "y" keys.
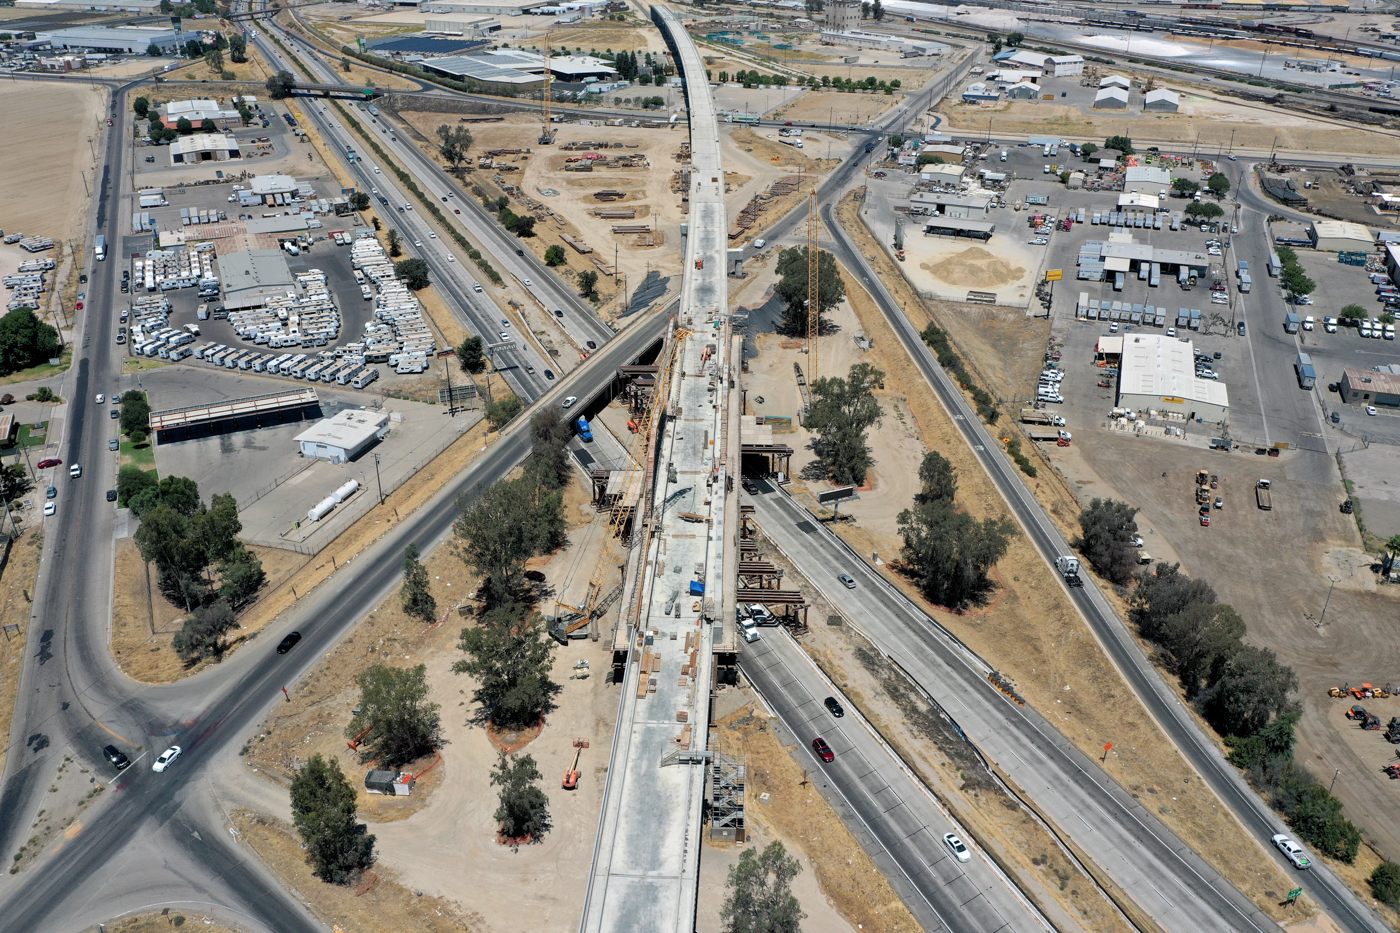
{"x": 16, "y": 600}
{"x": 41, "y": 185}
{"x": 1030, "y": 631}
{"x": 1202, "y": 121}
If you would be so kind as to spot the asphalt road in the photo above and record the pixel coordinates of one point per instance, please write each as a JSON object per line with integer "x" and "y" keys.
{"x": 1349, "y": 912}
{"x": 892, "y": 813}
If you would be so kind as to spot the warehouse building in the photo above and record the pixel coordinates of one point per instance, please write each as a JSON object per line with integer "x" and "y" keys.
{"x": 1111, "y": 98}
{"x": 116, "y": 40}
{"x": 1158, "y": 373}
{"x": 1008, "y": 76}
{"x": 263, "y": 185}
{"x": 480, "y": 7}
{"x": 203, "y": 147}
{"x": 1023, "y": 91}
{"x": 345, "y": 436}
{"x": 1371, "y": 387}
{"x": 1334, "y": 236}
{"x": 1055, "y": 66}
{"x": 480, "y": 26}
{"x": 1147, "y": 175}
{"x": 949, "y": 204}
{"x": 423, "y": 44}
{"x": 197, "y": 111}
{"x": 980, "y": 93}
{"x": 1115, "y": 81}
{"x": 252, "y": 277}
{"x": 1161, "y": 100}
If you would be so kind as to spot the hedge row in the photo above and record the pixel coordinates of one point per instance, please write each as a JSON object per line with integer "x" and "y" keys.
{"x": 950, "y": 361}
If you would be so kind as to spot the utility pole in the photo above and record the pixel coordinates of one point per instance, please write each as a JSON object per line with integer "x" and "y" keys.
{"x": 377, "y": 481}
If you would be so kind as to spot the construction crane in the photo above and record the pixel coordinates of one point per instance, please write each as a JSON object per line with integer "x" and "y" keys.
{"x": 571, "y": 776}
{"x": 546, "y": 132}
{"x": 569, "y": 619}
{"x": 814, "y": 308}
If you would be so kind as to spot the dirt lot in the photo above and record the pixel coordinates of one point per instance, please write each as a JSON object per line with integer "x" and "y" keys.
{"x": 16, "y": 598}
{"x": 40, "y": 181}
{"x": 1212, "y": 122}
{"x": 835, "y": 108}
{"x": 162, "y": 923}
{"x": 1030, "y": 631}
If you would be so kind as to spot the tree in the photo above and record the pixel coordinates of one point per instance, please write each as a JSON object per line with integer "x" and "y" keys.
{"x": 1106, "y": 537}
{"x": 1219, "y": 184}
{"x": 1123, "y": 144}
{"x": 241, "y": 576}
{"x": 414, "y": 273}
{"x": 181, "y": 494}
{"x": 1317, "y": 817}
{"x": 1014, "y": 39}
{"x": 25, "y": 341}
{"x": 1296, "y": 281}
{"x": 549, "y": 450}
{"x": 207, "y": 125}
{"x": 1087, "y": 150}
{"x": 523, "y": 226}
{"x": 359, "y": 201}
{"x": 194, "y": 48}
{"x": 1162, "y": 594}
{"x": 1185, "y": 187}
{"x": 403, "y": 726}
{"x": 456, "y": 140}
{"x": 501, "y": 410}
{"x": 1385, "y": 883}
{"x": 877, "y": 10}
{"x": 523, "y": 809}
{"x": 136, "y": 411}
{"x": 470, "y": 357}
{"x": 1351, "y": 313}
{"x": 237, "y": 48}
{"x": 792, "y": 287}
{"x": 183, "y": 126}
{"x": 510, "y": 656}
{"x": 323, "y": 809}
{"x": 14, "y": 482}
{"x": 759, "y": 893}
{"x": 141, "y": 106}
{"x": 587, "y": 282}
{"x": 948, "y": 551}
{"x": 203, "y": 634}
{"x": 927, "y": 158}
{"x": 131, "y": 479}
{"x": 555, "y": 256}
{"x": 1204, "y": 210}
{"x": 1252, "y": 687}
{"x": 245, "y": 113}
{"x": 344, "y": 64}
{"x": 214, "y": 59}
{"x": 842, "y": 410}
{"x": 503, "y": 527}
{"x": 281, "y": 85}
{"x": 1200, "y": 640}
{"x": 395, "y": 245}
{"x": 153, "y": 50}
{"x": 417, "y": 598}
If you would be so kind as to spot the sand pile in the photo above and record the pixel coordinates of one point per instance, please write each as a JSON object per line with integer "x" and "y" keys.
{"x": 976, "y": 268}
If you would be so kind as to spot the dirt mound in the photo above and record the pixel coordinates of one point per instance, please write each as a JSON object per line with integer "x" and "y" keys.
{"x": 976, "y": 268}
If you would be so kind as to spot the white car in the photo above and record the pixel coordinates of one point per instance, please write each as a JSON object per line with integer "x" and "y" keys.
{"x": 1113, "y": 327}
{"x": 101, "y": 398}
{"x": 432, "y": 236}
{"x": 451, "y": 258}
{"x": 1292, "y": 851}
{"x": 528, "y": 283}
{"x": 1171, "y": 331}
{"x": 50, "y": 508}
{"x": 1371, "y": 410}
{"x": 1302, "y": 300}
{"x": 955, "y": 845}
{"x": 504, "y": 335}
{"x": 418, "y": 243}
{"x": 569, "y": 402}
{"x": 167, "y": 758}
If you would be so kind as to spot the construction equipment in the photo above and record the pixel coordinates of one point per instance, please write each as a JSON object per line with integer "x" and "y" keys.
{"x": 546, "y": 93}
{"x": 571, "y": 776}
{"x": 1335, "y": 692}
{"x": 1357, "y": 712}
{"x": 1393, "y": 770}
{"x": 814, "y": 307}
{"x": 1392, "y": 731}
{"x": 1363, "y": 692}
{"x": 1371, "y": 723}
{"x": 598, "y": 597}
{"x": 354, "y": 743}
{"x": 1202, "y": 477}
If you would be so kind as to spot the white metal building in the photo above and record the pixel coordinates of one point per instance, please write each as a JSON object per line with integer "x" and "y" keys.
{"x": 345, "y": 436}
{"x": 1147, "y": 175}
{"x": 251, "y": 277}
{"x": 1111, "y": 98}
{"x": 1161, "y": 100}
{"x": 480, "y": 7}
{"x": 1023, "y": 91}
{"x": 122, "y": 40}
{"x": 1333, "y": 236}
{"x": 1115, "y": 81}
{"x": 272, "y": 184}
{"x": 203, "y": 147}
{"x": 1159, "y": 373}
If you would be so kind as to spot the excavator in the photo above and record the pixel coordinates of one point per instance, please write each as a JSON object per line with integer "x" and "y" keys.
{"x": 571, "y": 776}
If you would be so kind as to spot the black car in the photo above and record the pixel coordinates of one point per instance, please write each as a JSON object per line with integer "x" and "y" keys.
{"x": 834, "y": 708}
{"x": 111, "y": 495}
{"x": 1240, "y": 328}
{"x": 112, "y": 754}
{"x": 289, "y": 643}
{"x": 549, "y": 374}
{"x": 749, "y": 485}
{"x": 591, "y": 345}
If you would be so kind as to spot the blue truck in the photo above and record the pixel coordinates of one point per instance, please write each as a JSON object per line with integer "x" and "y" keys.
{"x": 584, "y": 433}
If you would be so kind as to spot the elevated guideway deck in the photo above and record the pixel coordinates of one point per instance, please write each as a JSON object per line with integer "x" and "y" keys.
{"x": 646, "y": 860}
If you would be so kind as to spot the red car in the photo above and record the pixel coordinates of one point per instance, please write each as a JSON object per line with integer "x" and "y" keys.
{"x": 822, "y": 749}
{"x": 79, "y": 306}
{"x": 789, "y": 123}
{"x": 50, "y": 462}
{"x": 1205, "y": 520}
{"x": 109, "y": 122}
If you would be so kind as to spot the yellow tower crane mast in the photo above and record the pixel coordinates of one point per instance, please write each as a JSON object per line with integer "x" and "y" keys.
{"x": 546, "y": 98}
{"x": 570, "y": 619}
{"x": 814, "y": 308}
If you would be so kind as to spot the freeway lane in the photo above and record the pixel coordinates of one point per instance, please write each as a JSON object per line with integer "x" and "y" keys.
{"x": 870, "y": 787}
{"x": 1349, "y": 912}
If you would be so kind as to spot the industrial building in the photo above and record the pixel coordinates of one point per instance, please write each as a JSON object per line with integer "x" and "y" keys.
{"x": 203, "y": 147}
{"x": 1115, "y": 81}
{"x": 859, "y": 39}
{"x": 979, "y": 93}
{"x": 345, "y": 436}
{"x": 1137, "y": 199}
{"x": 424, "y": 44}
{"x": 197, "y": 111}
{"x": 1371, "y": 387}
{"x": 1111, "y": 98}
{"x": 480, "y": 7}
{"x": 841, "y": 15}
{"x": 1161, "y": 100}
{"x": 263, "y": 185}
{"x": 950, "y": 204}
{"x": 480, "y": 26}
{"x": 116, "y": 40}
{"x": 1008, "y": 76}
{"x": 252, "y": 277}
{"x": 1023, "y": 91}
{"x": 1158, "y": 373}
{"x": 519, "y": 69}
{"x": 948, "y": 174}
{"x": 1055, "y": 66}
{"x": 1334, "y": 236}
{"x": 1147, "y": 175}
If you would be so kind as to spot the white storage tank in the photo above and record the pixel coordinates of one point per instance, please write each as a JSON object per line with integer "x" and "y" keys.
{"x": 321, "y": 509}
{"x": 346, "y": 491}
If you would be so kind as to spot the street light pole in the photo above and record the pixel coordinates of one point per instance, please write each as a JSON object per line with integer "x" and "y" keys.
{"x": 377, "y": 481}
